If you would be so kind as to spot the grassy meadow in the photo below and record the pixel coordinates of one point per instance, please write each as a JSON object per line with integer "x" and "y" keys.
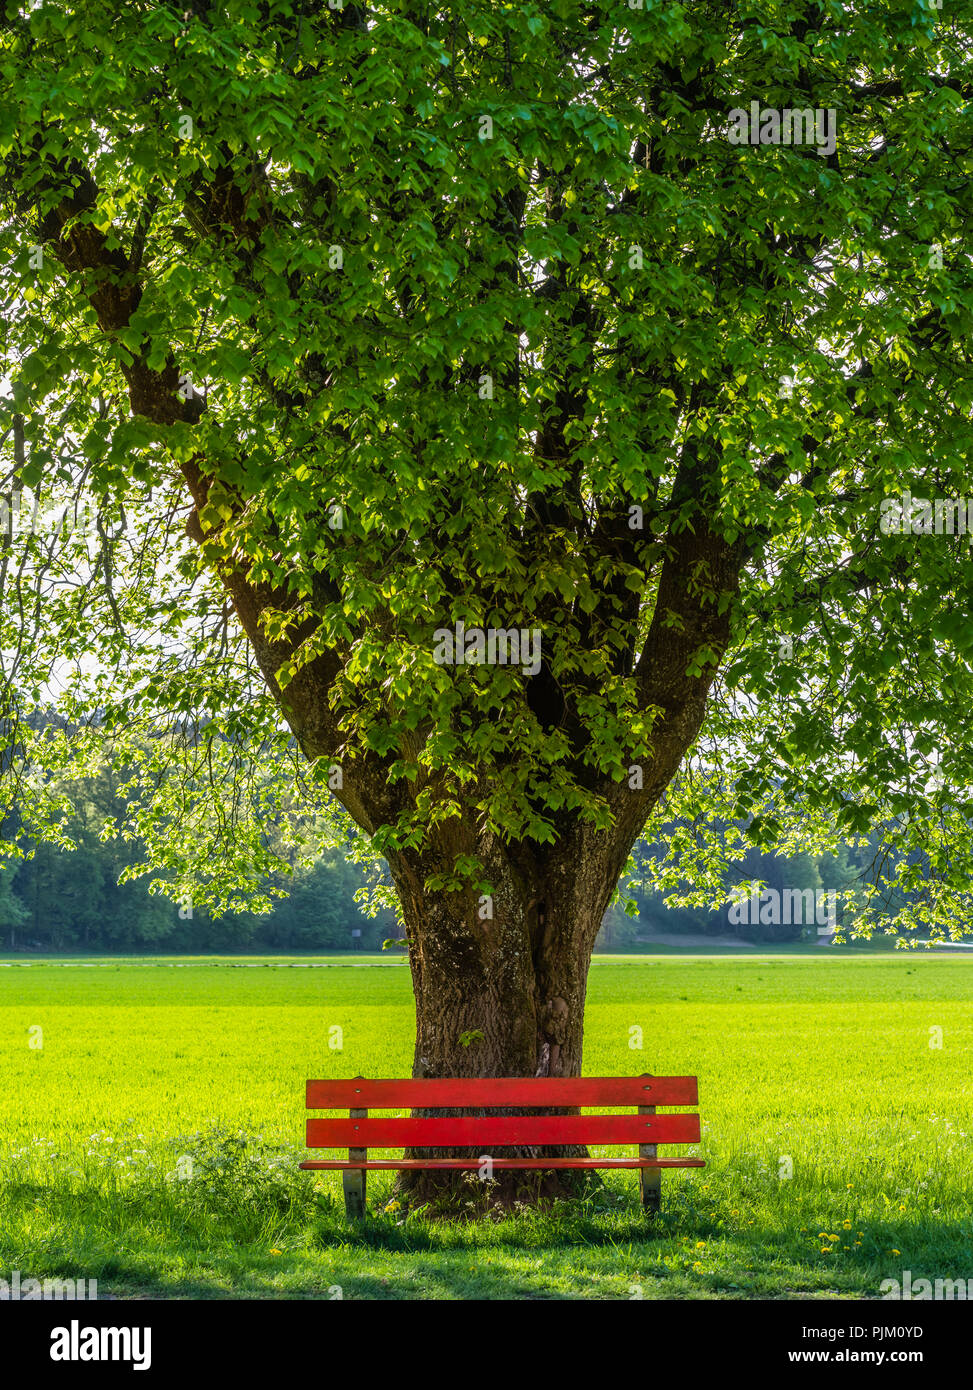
{"x": 835, "y": 1094}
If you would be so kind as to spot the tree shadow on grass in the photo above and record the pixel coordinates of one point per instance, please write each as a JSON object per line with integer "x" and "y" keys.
{"x": 147, "y": 1245}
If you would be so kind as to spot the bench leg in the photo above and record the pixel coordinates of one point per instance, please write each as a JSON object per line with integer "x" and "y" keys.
{"x": 353, "y": 1179}
{"x": 650, "y": 1179}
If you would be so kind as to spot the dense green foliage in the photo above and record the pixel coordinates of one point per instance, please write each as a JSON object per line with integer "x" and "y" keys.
{"x": 415, "y": 317}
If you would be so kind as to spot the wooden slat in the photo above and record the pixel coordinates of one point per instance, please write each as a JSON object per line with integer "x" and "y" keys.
{"x": 437, "y": 1093}
{"x": 500, "y": 1131}
{"x": 338, "y": 1164}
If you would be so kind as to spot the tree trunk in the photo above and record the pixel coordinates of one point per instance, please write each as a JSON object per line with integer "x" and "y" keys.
{"x": 500, "y": 983}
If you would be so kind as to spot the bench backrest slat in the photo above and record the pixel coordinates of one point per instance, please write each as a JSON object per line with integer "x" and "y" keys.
{"x": 500, "y": 1131}
{"x": 482, "y": 1092}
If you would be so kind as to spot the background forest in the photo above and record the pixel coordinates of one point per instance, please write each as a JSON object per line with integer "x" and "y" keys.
{"x": 83, "y": 898}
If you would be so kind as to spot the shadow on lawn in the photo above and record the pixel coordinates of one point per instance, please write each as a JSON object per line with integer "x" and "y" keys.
{"x": 149, "y": 1243}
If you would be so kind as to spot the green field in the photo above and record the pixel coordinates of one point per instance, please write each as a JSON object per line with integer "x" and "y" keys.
{"x": 839, "y": 1141}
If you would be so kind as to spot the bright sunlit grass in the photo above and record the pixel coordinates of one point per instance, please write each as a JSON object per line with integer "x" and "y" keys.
{"x": 838, "y": 1134}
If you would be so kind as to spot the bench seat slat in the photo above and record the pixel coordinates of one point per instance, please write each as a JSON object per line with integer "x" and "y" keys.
{"x": 338, "y": 1164}
{"x": 491, "y": 1131}
{"x": 445, "y": 1092}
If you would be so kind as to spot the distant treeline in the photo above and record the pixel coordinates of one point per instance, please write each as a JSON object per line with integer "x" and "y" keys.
{"x": 60, "y": 900}
{"x": 799, "y": 874}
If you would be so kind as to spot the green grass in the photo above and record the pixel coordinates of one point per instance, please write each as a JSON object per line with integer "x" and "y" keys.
{"x": 818, "y": 1065}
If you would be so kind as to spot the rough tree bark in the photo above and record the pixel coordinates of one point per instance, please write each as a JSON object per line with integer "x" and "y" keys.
{"x": 500, "y": 985}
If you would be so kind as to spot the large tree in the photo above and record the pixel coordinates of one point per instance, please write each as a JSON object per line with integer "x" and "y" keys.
{"x": 487, "y": 315}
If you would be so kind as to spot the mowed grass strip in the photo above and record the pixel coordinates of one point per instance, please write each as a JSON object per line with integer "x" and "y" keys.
{"x": 834, "y": 1092}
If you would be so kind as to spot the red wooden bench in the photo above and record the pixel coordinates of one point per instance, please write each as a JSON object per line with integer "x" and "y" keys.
{"x": 361, "y": 1131}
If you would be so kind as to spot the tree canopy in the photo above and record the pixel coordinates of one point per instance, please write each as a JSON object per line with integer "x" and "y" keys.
{"x": 353, "y": 324}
